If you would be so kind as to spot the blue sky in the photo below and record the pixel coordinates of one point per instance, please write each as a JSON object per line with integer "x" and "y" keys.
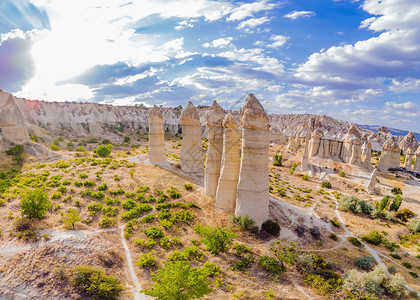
{"x": 353, "y": 60}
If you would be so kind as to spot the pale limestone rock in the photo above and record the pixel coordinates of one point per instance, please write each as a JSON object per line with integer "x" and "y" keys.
{"x": 390, "y": 157}
{"x": 191, "y": 151}
{"x": 368, "y": 150}
{"x": 293, "y": 143}
{"x": 370, "y": 188}
{"x": 12, "y": 121}
{"x": 156, "y": 136}
{"x": 407, "y": 162}
{"x": 229, "y": 173}
{"x": 416, "y": 166}
{"x": 253, "y": 185}
{"x": 409, "y": 142}
{"x": 95, "y": 129}
{"x": 396, "y": 159}
{"x": 304, "y": 162}
{"x": 352, "y": 138}
{"x": 315, "y": 142}
{"x": 213, "y": 120}
{"x": 276, "y": 136}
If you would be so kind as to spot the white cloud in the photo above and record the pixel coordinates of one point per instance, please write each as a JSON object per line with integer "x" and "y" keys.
{"x": 218, "y": 43}
{"x": 300, "y": 14}
{"x": 407, "y": 109}
{"x": 185, "y": 24}
{"x": 407, "y": 85}
{"x": 278, "y": 41}
{"x": 248, "y": 9}
{"x": 252, "y": 23}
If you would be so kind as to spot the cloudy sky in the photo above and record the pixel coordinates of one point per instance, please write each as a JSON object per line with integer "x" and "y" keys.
{"x": 353, "y": 60}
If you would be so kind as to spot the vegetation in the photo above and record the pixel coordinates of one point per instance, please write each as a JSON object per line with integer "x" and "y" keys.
{"x": 271, "y": 227}
{"x": 373, "y": 237}
{"x": 277, "y": 158}
{"x": 365, "y": 262}
{"x": 104, "y": 151}
{"x": 326, "y": 184}
{"x": 18, "y": 153}
{"x": 396, "y": 203}
{"x": 383, "y": 204}
{"x": 271, "y": 265}
{"x": 342, "y": 174}
{"x": 94, "y": 283}
{"x": 71, "y": 218}
{"x": 396, "y": 191}
{"x": 217, "y": 239}
{"x": 355, "y": 241}
{"x": 355, "y": 205}
{"x": 178, "y": 280}
{"x": 293, "y": 168}
{"x": 35, "y": 204}
{"x": 244, "y": 222}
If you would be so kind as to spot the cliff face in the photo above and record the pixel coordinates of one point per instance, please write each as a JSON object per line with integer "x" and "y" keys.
{"x": 13, "y": 127}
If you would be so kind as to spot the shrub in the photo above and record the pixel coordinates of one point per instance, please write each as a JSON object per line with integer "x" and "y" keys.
{"x": 323, "y": 286}
{"x": 271, "y": 227}
{"x": 293, "y": 168}
{"x": 300, "y": 230}
{"x": 54, "y": 147}
{"x": 18, "y": 153}
{"x": 244, "y": 222}
{"x": 383, "y": 204}
{"x": 104, "y": 151}
{"x": 413, "y": 274}
{"x": 414, "y": 225}
{"x": 271, "y": 265}
{"x": 365, "y": 262}
{"x": 314, "y": 231}
{"x": 277, "y": 158}
{"x": 373, "y": 237}
{"x": 407, "y": 265}
{"x": 405, "y": 214}
{"x": 305, "y": 177}
{"x": 355, "y": 241}
{"x": 395, "y": 255}
{"x": 217, "y": 239}
{"x": 396, "y": 287}
{"x": 178, "y": 280}
{"x": 127, "y": 139}
{"x": 106, "y": 142}
{"x": 22, "y": 224}
{"x": 355, "y": 205}
{"x": 396, "y": 191}
{"x": 188, "y": 186}
{"x": 106, "y": 222}
{"x": 212, "y": 269}
{"x": 35, "y": 204}
{"x": 244, "y": 262}
{"x": 94, "y": 283}
{"x": 286, "y": 252}
{"x": 71, "y": 218}
{"x": 342, "y": 174}
{"x": 335, "y": 223}
{"x": 146, "y": 260}
{"x": 153, "y": 232}
{"x": 103, "y": 187}
{"x": 396, "y": 203}
{"x": 326, "y": 184}
{"x": 333, "y": 236}
{"x": 173, "y": 193}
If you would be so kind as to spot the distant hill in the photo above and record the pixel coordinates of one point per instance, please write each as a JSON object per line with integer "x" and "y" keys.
{"x": 392, "y": 130}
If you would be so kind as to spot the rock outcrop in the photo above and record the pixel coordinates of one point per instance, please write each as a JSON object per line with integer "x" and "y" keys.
{"x": 213, "y": 120}
{"x": 416, "y": 166}
{"x": 157, "y": 152}
{"x": 253, "y": 185}
{"x": 315, "y": 142}
{"x": 12, "y": 122}
{"x": 352, "y": 146}
{"x": 191, "y": 150}
{"x": 409, "y": 142}
{"x": 304, "y": 162}
{"x": 370, "y": 188}
{"x": 390, "y": 156}
{"x": 407, "y": 162}
{"x": 229, "y": 173}
{"x": 276, "y": 136}
{"x": 368, "y": 151}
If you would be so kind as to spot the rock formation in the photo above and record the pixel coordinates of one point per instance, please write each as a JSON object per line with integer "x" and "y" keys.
{"x": 370, "y": 188}
{"x": 409, "y": 142}
{"x": 407, "y": 162}
{"x": 293, "y": 144}
{"x": 416, "y": 166}
{"x": 316, "y": 137}
{"x": 229, "y": 173}
{"x": 253, "y": 185}
{"x": 352, "y": 146}
{"x": 213, "y": 120}
{"x": 276, "y": 136}
{"x": 156, "y": 136}
{"x": 304, "y": 163}
{"x": 12, "y": 122}
{"x": 191, "y": 150}
{"x": 368, "y": 154}
{"x": 390, "y": 157}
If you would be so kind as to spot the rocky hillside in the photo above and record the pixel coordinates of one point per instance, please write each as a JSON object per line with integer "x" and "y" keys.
{"x": 71, "y": 119}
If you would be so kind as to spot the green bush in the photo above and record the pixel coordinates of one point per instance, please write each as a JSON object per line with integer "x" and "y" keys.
{"x": 188, "y": 186}
{"x": 305, "y": 177}
{"x": 104, "y": 151}
{"x": 396, "y": 203}
{"x": 383, "y": 204}
{"x": 35, "y": 204}
{"x": 146, "y": 260}
{"x": 277, "y": 158}
{"x": 71, "y": 218}
{"x": 127, "y": 139}
{"x": 271, "y": 227}
{"x": 396, "y": 191}
{"x": 405, "y": 214}
{"x": 18, "y": 153}
{"x": 373, "y": 237}
{"x": 407, "y": 265}
{"x": 335, "y": 223}
{"x": 322, "y": 285}
{"x": 355, "y": 241}
{"x": 54, "y": 147}
{"x": 326, "y": 184}
{"x": 103, "y": 187}
{"x": 342, "y": 174}
{"x": 244, "y": 222}
{"x": 107, "y": 222}
{"x": 106, "y": 142}
{"x": 355, "y": 205}
{"x": 217, "y": 239}
{"x": 271, "y": 265}
{"x": 333, "y": 236}
{"x": 178, "y": 280}
{"x": 293, "y": 168}
{"x": 95, "y": 284}
{"x": 414, "y": 225}
{"x": 395, "y": 255}
{"x": 365, "y": 262}
{"x": 153, "y": 232}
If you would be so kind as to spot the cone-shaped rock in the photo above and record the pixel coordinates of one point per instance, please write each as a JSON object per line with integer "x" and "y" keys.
{"x": 416, "y": 167}
{"x": 368, "y": 153}
{"x": 156, "y": 136}
{"x": 304, "y": 163}
{"x": 253, "y": 193}
{"x": 370, "y": 188}
{"x": 407, "y": 162}
{"x": 12, "y": 121}
{"x": 191, "y": 151}
{"x": 229, "y": 173}
{"x": 213, "y": 119}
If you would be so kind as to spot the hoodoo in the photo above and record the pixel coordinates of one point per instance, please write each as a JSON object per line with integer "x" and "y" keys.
{"x": 213, "y": 119}
{"x": 253, "y": 186}
{"x": 229, "y": 174}
{"x": 416, "y": 166}
{"x": 156, "y": 136}
{"x": 191, "y": 151}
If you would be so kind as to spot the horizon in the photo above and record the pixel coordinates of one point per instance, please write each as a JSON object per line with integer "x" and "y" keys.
{"x": 352, "y": 60}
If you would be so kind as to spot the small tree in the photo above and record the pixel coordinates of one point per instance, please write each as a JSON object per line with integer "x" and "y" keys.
{"x": 70, "y": 218}
{"x": 384, "y": 203}
{"x": 127, "y": 139}
{"x": 396, "y": 203}
{"x": 177, "y": 280}
{"x": 286, "y": 253}
{"x": 217, "y": 239}
{"x": 396, "y": 191}
{"x": 18, "y": 153}
{"x": 35, "y": 204}
{"x": 104, "y": 151}
{"x": 277, "y": 158}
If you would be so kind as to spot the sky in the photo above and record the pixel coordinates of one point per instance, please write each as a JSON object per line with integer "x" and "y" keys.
{"x": 353, "y": 60}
